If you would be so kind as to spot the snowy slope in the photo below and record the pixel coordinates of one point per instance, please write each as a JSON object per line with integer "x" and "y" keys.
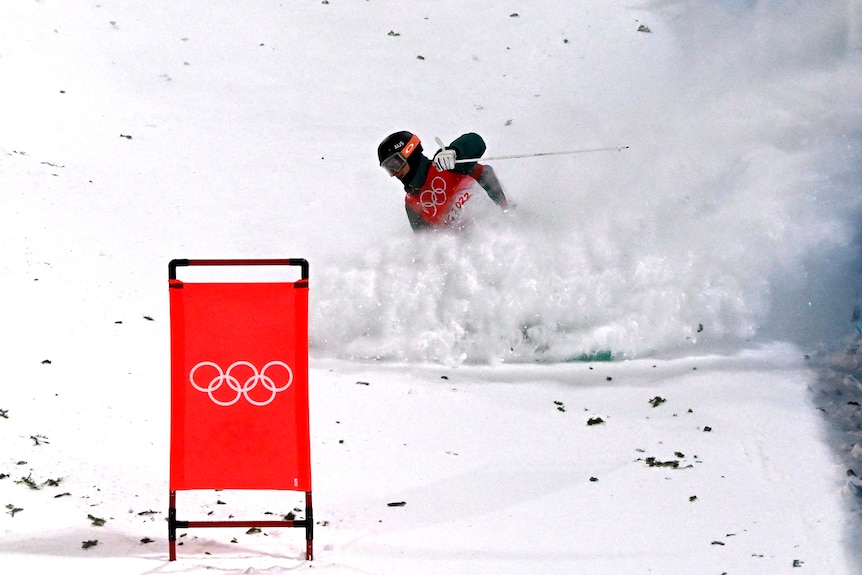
{"x": 710, "y": 256}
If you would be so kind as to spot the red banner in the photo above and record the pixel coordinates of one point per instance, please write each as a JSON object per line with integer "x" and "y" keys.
{"x": 239, "y": 386}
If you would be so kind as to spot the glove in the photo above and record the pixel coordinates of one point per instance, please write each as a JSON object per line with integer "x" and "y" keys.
{"x": 445, "y": 159}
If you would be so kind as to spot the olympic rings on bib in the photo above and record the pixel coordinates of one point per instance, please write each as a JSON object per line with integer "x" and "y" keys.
{"x": 267, "y": 377}
{"x": 434, "y": 197}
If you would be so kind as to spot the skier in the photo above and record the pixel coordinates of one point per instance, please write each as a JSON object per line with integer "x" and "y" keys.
{"x": 437, "y": 197}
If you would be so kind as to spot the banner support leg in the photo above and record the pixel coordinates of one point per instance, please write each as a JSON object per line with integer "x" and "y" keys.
{"x": 172, "y": 526}
{"x": 309, "y": 527}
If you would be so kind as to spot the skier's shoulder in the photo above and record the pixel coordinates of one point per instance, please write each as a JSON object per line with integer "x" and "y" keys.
{"x": 469, "y": 145}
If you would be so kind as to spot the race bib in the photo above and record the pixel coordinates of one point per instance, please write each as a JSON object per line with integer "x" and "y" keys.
{"x": 442, "y": 199}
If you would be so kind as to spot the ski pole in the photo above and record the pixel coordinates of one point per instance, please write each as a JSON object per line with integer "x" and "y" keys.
{"x": 536, "y": 155}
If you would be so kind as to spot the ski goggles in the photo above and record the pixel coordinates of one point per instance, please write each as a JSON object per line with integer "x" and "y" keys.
{"x": 393, "y": 163}
{"x": 396, "y": 161}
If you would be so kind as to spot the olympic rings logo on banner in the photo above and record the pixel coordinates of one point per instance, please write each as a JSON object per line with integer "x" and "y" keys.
{"x": 434, "y": 197}
{"x": 266, "y": 378}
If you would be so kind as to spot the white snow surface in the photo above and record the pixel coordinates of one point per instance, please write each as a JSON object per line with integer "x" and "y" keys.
{"x": 716, "y": 256}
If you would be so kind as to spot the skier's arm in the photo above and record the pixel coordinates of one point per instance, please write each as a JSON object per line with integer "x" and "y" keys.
{"x": 488, "y": 180}
{"x": 470, "y": 145}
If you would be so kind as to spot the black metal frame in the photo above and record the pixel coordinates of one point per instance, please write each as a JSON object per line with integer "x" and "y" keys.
{"x": 174, "y": 264}
{"x": 174, "y": 524}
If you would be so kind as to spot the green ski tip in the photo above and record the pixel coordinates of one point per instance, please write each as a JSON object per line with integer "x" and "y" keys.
{"x": 606, "y": 355}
